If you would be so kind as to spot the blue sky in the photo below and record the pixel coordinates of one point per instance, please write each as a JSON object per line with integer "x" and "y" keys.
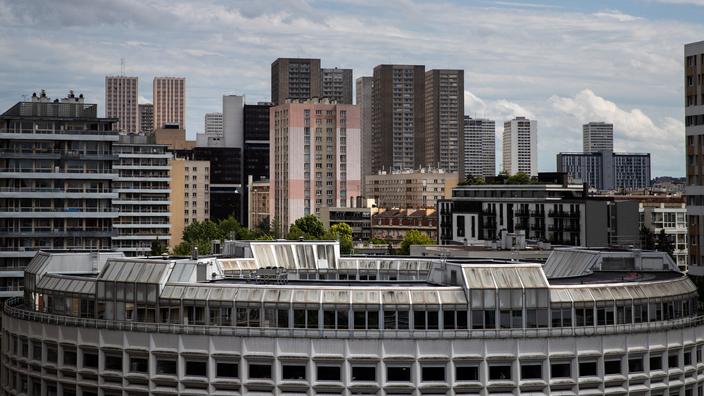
{"x": 562, "y": 62}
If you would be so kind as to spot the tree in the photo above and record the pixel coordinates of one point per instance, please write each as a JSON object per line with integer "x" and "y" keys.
{"x": 647, "y": 239}
{"x": 414, "y": 237}
{"x": 311, "y": 227}
{"x": 377, "y": 241}
{"x": 473, "y": 180}
{"x": 343, "y": 233}
{"x": 158, "y": 248}
{"x": 519, "y": 178}
{"x": 230, "y": 228}
{"x": 295, "y": 233}
{"x": 664, "y": 243}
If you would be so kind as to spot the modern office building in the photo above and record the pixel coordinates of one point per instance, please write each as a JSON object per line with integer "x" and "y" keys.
{"x": 398, "y": 117}
{"x": 392, "y": 225}
{"x": 364, "y": 102}
{"x": 169, "y": 97}
{"x": 554, "y": 213}
{"x": 520, "y": 146}
{"x": 597, "y": 136}
{"x": 479, "y": 158}
{"x": 121, "y": 102}
{"x": 190, "y": 195}
{"x": 694, "y": 131}
{"x": 144, "y": 195}
{"x": 444, "y": 119}
{"x": 146, "y": 118}
{"x": 255, "y": 153}
{"x": 213, "y": 124}
{"x": 336, "y": 84}
{"x": 233, "y": 120}
{"x": 225, "y": 179}
{"x": 414, "y": 189}
{"x": 606, "y": 170}
{"x": 295, "y": 78}
{"x": 314, "y": 158}
{"x": 56, "y": 182}
{"x": 669, "y": 214}
{"x": 586, "y": 323}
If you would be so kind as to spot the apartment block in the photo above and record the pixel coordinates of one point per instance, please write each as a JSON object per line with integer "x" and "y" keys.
{"x": 146, "y": 118}
{"x": 359, "y": 219}
{"x": 169, "y": 97}
{"x": 694, "y": 131}
{"x": 597, "y": 136}
{"x": 314, "y": 158}
{"x": 56, "y": 182}
{"x": 212, "y": 124}
{"x": 295, "y": 78}
{"x": 444, "y": 119}
{"x": 190, "y": 195}
{"x": 336, "y": 84}
{"x": 121, "y": 102}
{"x": 258, "y": 214}
{"x": 520, "y": 146}
{"x": 414, "y": 189}
{"x": 364, "y": 102}
{"x": 398, "y": 117}
{"x": 479, "y": 148}
{"x": 606, "y": 170}
{"x": 144, "y": 194}
{"x": 392, "y": 225}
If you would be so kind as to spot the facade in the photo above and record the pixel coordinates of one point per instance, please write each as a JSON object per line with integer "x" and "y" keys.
{"x": 190, "y": 195}
{"x": 398, "y": 117}
{"x": 558, "y": 214}
{"x": 144, "y": 195}
{"x": 314, "y": 158}
{"x": 597, "y": 136}
{"x": 606, "y": 170}
{"x": 169, "y": 96}
{"x": 614, "y": 323}
{"x": 364, "y": 102}
{"x": 479, "y": 158}
{"x": 233, "y": 120}
{"x": 255, "y": 154}
{"x": 520, "y": 146}
{"x": 359, "y": 219}
{"x": 258, "y": 203}
{"x": 295, "y": 78}
{"x": 336, "y": 84}
{"x": 213, "y": 124}
{"x": 56, "y": 182}
{"x": 668, "y": 214}
{"x": 121, "y": 102}
{"x": 694, "y": 131}
{"x": 414, "y": 189}
{"x": 392, "y": 225}
{"x": 146, "y": 118}
{"x": 225, "y": 179}
{"x": 444, "y": 119}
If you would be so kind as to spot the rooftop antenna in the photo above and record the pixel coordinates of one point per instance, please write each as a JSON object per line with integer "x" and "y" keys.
{"x": 122, "y": 67}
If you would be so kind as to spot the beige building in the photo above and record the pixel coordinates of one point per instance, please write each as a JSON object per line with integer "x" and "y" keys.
{"x": 169, "y": 97}
{"x": 410, "y": 189}
{"x": 174, "y": 138}
{"x": 121, "y": 102}
{"x": 190, "y": 195}
{"x": 258, "y": 202}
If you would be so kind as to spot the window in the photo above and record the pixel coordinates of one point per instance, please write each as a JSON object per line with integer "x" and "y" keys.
{"x": 612, "y": 367}
{"x": 687, "y": 358}
{"x": 37, "y": 350}
{"x": 166, "y": 366}
{"x": 673, "y": 361}
{"x": 139, "y": 364}
{"x": 363, "y": 373}
{"x": 433, "y": 373}
{"x": 69, "y": 358}
{"x": 635, "y": 365}
{"x": 90, "y": 359}
{"x": 467, "y": 373}
{"x": 228, "y": 370}
{"x": 260, "y": 370}
{"x": 329, "y": 373}
{"x": 561, "y": 370}
{"x": 293, "y": 372}
{"x": 500, "y": 372}
{"x": 398, "y": 373}
{"x": 587, "y": 369}
{"x": 531, "y": 371}
{"x": 197, "y": 368}
{"x": 52, "y": 353}
{"x": 113, "y": 362}
{"x": 656, "y": 362}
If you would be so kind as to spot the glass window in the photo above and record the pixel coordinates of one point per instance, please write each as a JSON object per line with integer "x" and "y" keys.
{"x": 612, "y": 367}
{"x": 329, "y": 373}
{"x": 561, "y": 370}
{"x": 656, "y": 362}
{"x": 635, "y": 364}
{"x": 433, "y": 373}
{"x": 587, "y": 369}
{"x": 500, "y": 372}
{"x": 113, "y": 362}
{"x": 531, "y": 371}
{"x": 139, "y": 364}
{"x": 260, "y": 370}
{"x": 398, "y": 373}
{"x": 197, "y": 368}
{"x": 467, "y": 373}
{"x": 363, "y": 373}
{"x": 293, "y": 372}
{"x": 228, "y": 370}
{"x": 90, "y": 359}
{"x": 166, "y": 366}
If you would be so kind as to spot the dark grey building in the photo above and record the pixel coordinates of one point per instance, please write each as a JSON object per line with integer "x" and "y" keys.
{"x": 607, "y": 171}
{"x": 336, "y": 84}
{"x": 694, "y": 131}
{"x": 295, "y": 78}
{"x": 255, "y": 155}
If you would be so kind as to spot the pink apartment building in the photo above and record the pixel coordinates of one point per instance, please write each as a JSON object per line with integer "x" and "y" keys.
{"x": 314, "y": 158}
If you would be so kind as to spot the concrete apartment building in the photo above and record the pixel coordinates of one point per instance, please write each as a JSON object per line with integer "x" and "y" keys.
{"x": 359, "y": 219}
{"x": 597, "y": 136}
{"x": 444, "y": 119}
{"x": 364, "y": 102}
{"x": 411, "y": 188}
{"x": 169, "y": 97}
{"x": 520, "y": 146}
{"x": 398, "y": 117}
{"x": 144, "y": 194}
{"x": 212, "y": 124}
{"x": 336, "y": 84}
{"x": 190, "y": 195}
{"x": 258, "y": 214}
{"x": 295, "y": 78}
{"x": 121, "y": 102}
{"x": 694, "y": 131}
{"x": 146, "y": 118}
{"x": 606, "y": 170}
{"x": 314, "y": 160}
{"x": 479, "y": 158}
{"x": 56, "y": 182}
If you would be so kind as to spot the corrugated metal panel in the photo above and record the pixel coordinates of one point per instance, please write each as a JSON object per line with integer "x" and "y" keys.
{"x": 424, "y": 297}
{"x": 560, "y": 296}
{"x": 569, "y": 263}
{"x": 505, "y": 278}
{"x": 580, "y": 294}
{"x": 395, "y": 297}
{"x": 532, "y": 277}
{"x": 336, "y": 297}
{"x": 479, "y": 278}
{"x": 452, "y": 297}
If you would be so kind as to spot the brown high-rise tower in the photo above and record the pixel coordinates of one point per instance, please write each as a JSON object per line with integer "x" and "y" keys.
{"x": 295, "y": 78}
{"x": 444, "y": 118}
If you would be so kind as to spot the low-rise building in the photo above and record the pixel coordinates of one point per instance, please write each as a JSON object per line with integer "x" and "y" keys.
{"x": 359, "y": 219}
{"x": 410, "y": 189}
{"x": 258, "y": 203}
{"x": 190, "y": 195}
{"x": 392, "y": 225}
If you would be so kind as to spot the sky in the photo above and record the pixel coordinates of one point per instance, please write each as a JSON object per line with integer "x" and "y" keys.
{"x": 562, "y": 63}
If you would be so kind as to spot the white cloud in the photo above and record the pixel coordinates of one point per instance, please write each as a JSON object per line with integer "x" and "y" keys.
{"x": 143, "y": 100}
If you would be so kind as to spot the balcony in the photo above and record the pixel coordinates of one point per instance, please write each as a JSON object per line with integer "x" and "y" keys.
{"x": 560, "y": 213}
{"x": 53, "y": 233}
{"x": 48, "y": 193}
{"x": 44, "y": 212}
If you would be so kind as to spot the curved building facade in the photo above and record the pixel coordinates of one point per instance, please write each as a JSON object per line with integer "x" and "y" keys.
{"x": 295, "y": 318}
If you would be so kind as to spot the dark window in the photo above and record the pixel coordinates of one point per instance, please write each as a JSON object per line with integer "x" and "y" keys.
{"x": 587, "y": 369}
{"x": 373, "y": 320}
{"x": 113, "y": 362}
{"x": 197, "y": 368}
{"x": 329, "y": 373}
{"x": 164, "y": 366}
{"x": 687, "y": 358}
{"x": 90, "y": 359}
{"x": 561, "y": 370}
{"x": 673, "y": 361}
{"x": 433, "y": 320}
{"x": 531, "y": 371}
{"x": 70, "y": 358}
{"x": 635, "y": 365}
{"x": 51, "y": 354}
{"x": 419, "y": 320}
{"x": 500, "y": 372}
{"x": 293, "y": 372}
{"x": 282, "y": 318}
{"x": 612, "y": 367}
{"x": 139, "y": 365}
{"x": 433, "y": 373}
{"x": 360, "y": 320}
{"x": 398, "y": 373}
{"x": 656, "y": 362}
{"x": 364, "y": 373}
{"x": 260, "y": 371}
{"x": 37, "y": 350}
{"x": 467, "y": 373}
{"x": 229, "y": 370}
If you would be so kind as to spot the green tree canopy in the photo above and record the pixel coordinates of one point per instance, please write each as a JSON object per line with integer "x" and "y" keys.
{"x": 343, "y": 233}
{"x": 519, "y": 178}
{"x": 414, "y": 237}
{"x": 310, "y": 226}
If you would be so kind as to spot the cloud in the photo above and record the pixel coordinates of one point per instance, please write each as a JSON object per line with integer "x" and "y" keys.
{"x": 617, "y": 15}
{"x": 143, "y": 100}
